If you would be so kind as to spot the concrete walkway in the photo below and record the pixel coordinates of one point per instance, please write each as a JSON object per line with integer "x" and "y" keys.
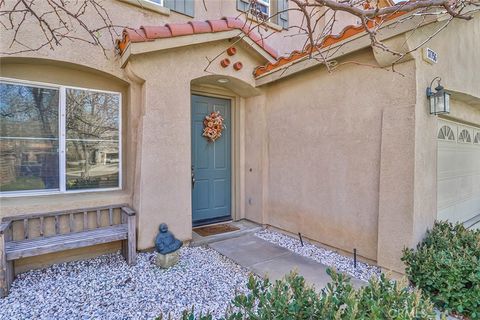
{"x": 267, "y": 259}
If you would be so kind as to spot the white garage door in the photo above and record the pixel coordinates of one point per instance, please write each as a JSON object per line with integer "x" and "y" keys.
{"x": 458, "y": 175}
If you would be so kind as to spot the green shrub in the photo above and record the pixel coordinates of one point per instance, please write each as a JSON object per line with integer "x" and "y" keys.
{"x": 446, "y": 265}
{"x": 292, "y": 299}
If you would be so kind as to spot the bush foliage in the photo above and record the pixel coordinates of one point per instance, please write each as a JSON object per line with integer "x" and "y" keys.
{"x": 292, "y": 299}
{"x": 446, "y": 265}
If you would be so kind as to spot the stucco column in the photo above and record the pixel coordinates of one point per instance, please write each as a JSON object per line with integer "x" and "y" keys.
{"x": 397, "y": 177}
{"x": 256, "y": 160}
{"x": 163, "y": 155}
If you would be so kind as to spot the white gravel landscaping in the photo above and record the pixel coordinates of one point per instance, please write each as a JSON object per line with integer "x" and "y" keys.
{"x": 107, "y": 288}
{"x": 327, "y": 257}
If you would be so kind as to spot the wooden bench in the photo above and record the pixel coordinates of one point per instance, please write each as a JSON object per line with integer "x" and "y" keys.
{"x": 28, "y": 235}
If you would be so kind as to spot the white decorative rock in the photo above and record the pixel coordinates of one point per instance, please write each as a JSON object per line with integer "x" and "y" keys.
{"x": 106, "y": 287}
{"x": 168, "y": 260}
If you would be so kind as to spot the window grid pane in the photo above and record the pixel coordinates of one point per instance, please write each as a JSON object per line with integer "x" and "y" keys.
{"x": 92, "y": 140}
{"x": 28, "y": 138}
{"x": 35, "y": 158}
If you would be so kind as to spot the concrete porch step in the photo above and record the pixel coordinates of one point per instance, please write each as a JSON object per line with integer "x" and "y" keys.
{"x": 245, "y": 228}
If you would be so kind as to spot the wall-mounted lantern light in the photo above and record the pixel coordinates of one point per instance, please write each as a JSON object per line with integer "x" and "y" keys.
{"x": 439, "y": 100}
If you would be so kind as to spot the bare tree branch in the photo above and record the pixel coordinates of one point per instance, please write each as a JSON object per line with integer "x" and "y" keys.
{"x": 56, "y": 21}
{"x": 319, "y": 20}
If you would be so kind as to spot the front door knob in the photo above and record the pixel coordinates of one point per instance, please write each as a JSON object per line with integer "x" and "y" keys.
{"x": 193, "y": 177}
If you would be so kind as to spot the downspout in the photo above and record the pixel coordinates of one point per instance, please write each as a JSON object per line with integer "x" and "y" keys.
{"x": 135, "y": 122}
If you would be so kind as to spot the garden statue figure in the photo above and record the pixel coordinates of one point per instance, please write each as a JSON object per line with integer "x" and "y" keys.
{"x": 166, "y": 242}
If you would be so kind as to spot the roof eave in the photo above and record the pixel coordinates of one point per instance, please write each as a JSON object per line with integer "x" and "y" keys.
{"x": 136, "y": 48}
{"x": 339, "y": 49}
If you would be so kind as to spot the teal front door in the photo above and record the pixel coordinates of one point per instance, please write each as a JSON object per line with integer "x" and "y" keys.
{"x": 211, "y": 163}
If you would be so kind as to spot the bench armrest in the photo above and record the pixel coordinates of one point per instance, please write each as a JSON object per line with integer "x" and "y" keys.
{"x": 4, "y": 226}
{"x": 128, "y": 211}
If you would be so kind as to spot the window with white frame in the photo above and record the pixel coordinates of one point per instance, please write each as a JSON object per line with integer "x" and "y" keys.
{"x": 274, "y": 11}
{"x": 58, "y": 138}
{"x": 261, "y": 8}
{"x": 159, "y": 2}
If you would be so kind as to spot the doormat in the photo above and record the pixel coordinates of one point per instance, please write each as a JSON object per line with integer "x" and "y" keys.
{"x": 216, "y": 229}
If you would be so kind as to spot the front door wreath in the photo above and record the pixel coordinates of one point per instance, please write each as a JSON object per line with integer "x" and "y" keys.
{"x": 213, "y": 126}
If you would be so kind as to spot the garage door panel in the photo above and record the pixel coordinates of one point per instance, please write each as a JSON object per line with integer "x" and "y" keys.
{"x": 447, "y": 160}
{"x": 456, "y": 214}
{"x": 465, "y": 159}
{"x": 458, "y": 173}
{"x": 452, "y": 207}
{"x": 465, "y": 186}
{"x": 476, "y": 184}
{"x": 447, "y": 194}
{"x": 466, "y": 210}
{"x": 446, "y": 213}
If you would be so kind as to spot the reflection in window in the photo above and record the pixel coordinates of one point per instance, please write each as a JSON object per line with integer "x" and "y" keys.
{"x": 260, "y": 9}
{"x": 92, "y": 136}
{"x": 159, "y": 2}
{"x": 28, "y": 138}
{"x": 35, "y": 157}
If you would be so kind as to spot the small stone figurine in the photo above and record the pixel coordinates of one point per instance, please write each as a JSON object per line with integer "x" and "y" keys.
{"x": 167, "y": 246}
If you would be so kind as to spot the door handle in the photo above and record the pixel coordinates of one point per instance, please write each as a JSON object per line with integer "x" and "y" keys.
{"x": 193, "y": 177}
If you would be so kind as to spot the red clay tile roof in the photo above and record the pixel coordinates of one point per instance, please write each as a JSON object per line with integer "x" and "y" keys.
{"x": 329, "y": 40}
{"x": 151, "y": 33}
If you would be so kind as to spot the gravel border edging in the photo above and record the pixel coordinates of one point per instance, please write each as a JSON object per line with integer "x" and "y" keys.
{"x": 329, "y": 258}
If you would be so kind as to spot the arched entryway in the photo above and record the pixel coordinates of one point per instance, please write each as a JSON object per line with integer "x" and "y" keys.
{"x": 215, "y": 148}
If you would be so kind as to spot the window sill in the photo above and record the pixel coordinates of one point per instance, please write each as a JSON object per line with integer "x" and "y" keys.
{"x": 269, "y": 24}
{"x": 144, "y": 4}
{"x": 36, "y": 193}
{"x": 61, "y": 201}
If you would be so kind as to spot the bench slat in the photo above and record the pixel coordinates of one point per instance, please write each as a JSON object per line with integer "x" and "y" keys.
{"x": 85, "y": 221}
{"x": 27, "y": 248}
{"x": 42, "y": 227}
{"x": 98, "y": 218}
{"x": 72, "y": 236}
{"x": 25, "y": 228}
{"x": 58, "y": 213}
{"x": 57, "y": 225}
{"x": 32, "y": 245}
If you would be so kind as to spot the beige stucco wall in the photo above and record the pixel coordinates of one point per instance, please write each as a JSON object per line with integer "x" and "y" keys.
{"x": 458, "y": 66}
{"x": 128, "y": 15}
{"x": 348, "y": 158}
{"x": 72, "y": 75}
{"x": 462, "y": 111}
{"x": 80, "y": 64}
{"x": 324, "y": 150}
{"x": 459, "y": 52}
{"x": 55, "y": 72}
{"x": 156, "y": 115}
{"x": 376, "y": 193}
{"x": 164, "y": 186}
